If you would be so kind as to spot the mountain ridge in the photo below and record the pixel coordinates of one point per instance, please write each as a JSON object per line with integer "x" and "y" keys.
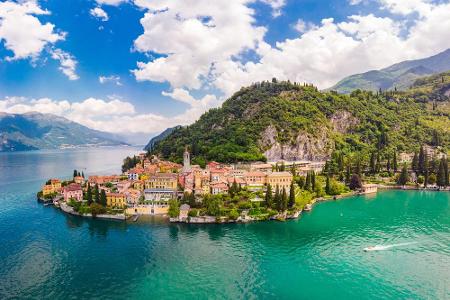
{"x": 397, "y": 76}
{"x": 34, "y": 131}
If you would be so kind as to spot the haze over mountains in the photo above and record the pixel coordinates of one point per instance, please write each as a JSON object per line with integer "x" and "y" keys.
{"x": 33, "y": 131}
{"x": 401, "y": 75}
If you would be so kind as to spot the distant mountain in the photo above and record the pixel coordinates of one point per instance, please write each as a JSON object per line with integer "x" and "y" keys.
{"x": 400, "y": 76}
{"x": 161, "y": 136}
{"x": 33, "y": 131}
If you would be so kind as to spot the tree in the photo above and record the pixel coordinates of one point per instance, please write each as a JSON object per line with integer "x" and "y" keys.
{"x": 355, "y": 182}
{"x": 294, "y": 170}
{"x": 292, "y": 196}
{"x": 269, "y": 196}
{"x": 174, "y": 208}
{"x": 82, "y": 174}
{"x": 394, "y": 161}
{"x": 97, "y": 209}
{"x": 426, "y": 171}
{"x": 421, "y": 163}
{"x": 404, "y": 177}
{"x": 308, "y": 182}
{"x": 234, "y": 188}
{"x": 388, "y": 165}
{"x": 415, "y": 163}
{"x": 447, "y": 183}
{"x": 277, "y": 198}
{"x": 103, "y": 198}
{"x": 284, "y": 200}
{"x": 327, "y": 185}
{"x": 75, "y": 173}
{"x": 89, "y": 194}
{"x": 348, "y": 174}
{"x": 97, "y": 194}
{"x": 441, "y": 177}
{"x": 378, "y": 164}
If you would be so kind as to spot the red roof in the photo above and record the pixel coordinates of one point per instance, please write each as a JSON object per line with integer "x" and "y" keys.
{"x": 72, "y": 187}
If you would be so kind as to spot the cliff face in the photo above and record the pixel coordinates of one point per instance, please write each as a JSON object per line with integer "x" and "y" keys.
{"x": 305, "y": 146}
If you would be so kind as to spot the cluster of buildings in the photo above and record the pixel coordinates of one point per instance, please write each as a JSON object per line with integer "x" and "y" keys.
{"x": 148, "y": 187}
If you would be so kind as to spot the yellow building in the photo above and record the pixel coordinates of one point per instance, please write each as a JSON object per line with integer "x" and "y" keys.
{"x": 47, "y": 189}
{"x": 162, "y": 181}
{"x": 56, "y": 184}
{"x": 139, "y": 185}
{"x": 117, "y": 200}
{"x": 280, "y": 179}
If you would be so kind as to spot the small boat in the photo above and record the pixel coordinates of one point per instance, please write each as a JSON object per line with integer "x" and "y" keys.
{"x": 377, "y": 248}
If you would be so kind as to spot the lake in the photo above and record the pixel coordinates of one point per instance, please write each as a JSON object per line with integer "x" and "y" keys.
{"x": 47, "y": 254}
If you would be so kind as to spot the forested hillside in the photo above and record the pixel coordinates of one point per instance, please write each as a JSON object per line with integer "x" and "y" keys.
{"x": 283, "y": 120}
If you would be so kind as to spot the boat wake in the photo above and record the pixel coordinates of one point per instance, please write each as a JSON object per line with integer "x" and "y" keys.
{"x": 387, "y": 247}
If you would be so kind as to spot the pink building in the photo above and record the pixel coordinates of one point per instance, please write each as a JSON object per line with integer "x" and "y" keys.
{"x": 73, "y": 191}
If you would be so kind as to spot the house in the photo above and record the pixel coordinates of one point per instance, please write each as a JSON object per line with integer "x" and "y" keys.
{"x": 162, "y": 181}
{"x": 123, "y": 186}
{"x": 116, "y": 200}
{"x": 218, "y": 188}
{"x": 139, "y": 185}
{"x": 255, "y": 178}
{"x": 261, "y": 167}
{"x": 73, "y": 191}
{"x": 56, "y": 184}
{"x": 218, "y": 175}
{"x": 280, "y": 179}
{"x": 47, "y": 190}
{"x": 133, "y": 174}
{"x": 133, "y": 196}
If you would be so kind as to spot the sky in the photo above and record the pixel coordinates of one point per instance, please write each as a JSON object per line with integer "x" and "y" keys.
{"x": 136, "y": 67}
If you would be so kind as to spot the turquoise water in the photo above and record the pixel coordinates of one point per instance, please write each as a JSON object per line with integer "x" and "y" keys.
{"x": 46, "y": 254}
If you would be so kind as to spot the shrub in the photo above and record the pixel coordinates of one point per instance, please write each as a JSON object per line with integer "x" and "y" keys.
{"x": 244, "y": 205}
{"x": 233, "y": 214}
{"x": 97, "y": 209}
{"x": 193, "y": 213}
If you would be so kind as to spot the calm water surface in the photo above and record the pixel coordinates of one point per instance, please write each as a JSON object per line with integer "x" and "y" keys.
{"x": 46, "y": 254}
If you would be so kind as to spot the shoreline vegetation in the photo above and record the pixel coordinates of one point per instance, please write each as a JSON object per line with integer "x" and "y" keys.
{"x": 149, "y": 186}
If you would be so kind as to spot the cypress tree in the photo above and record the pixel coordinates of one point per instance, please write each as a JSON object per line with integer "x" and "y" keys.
{"x": 426, "y": 172}
{"x": 89, "y": 194}
{"x": 327, "y": 185}
{"x": 388, "y": 165}
{"x": 421, "y": 166}
{"x": 441, "y": 180}
{"x": 447, "y": 183}
{"x": 97, "y": 194}
{"x": 284, "y": 200}
{"x": 75, "y": 173}
{"x": 292, "y": 196}
{"x": 269, "y": 196}
{"x": 308, "y": 181}
{"x": 103, "y": 198}
{"x": 82, "y": 174}
{"x": 378, "y": 164}
{"x": 394, "y": 162}
{"x": 277, "y": 198}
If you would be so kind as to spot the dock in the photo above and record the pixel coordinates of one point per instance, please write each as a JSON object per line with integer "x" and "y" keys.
{"x": 135, "y": 217}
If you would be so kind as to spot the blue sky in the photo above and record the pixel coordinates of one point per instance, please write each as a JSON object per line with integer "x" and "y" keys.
{"x": 150, "y": 64}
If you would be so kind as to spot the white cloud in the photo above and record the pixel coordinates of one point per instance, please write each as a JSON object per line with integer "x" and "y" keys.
{"x": 276, "y": 6}
{"x": 67, "y": 63}
{"x": 197, "y": 54}
{"x": 112, "y": 115}
{"x": 303, "y": 26}
{"x": 111, "y": 2}
{"x": 195, "y": 35}
{"x": 112, "y": 78}
{"x": 99, "y": 13}
{"x": 22, "y": 31}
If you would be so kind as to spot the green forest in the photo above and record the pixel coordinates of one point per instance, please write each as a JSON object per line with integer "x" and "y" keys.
{"x": 387, "y": 122}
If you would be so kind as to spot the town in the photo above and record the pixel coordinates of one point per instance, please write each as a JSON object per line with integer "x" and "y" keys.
{"x": 216, "y": 193}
